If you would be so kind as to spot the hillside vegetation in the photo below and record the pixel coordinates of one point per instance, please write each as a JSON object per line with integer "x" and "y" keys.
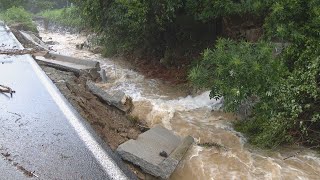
{"x": 262, "y": 57}
{"x": 285, "y": 87}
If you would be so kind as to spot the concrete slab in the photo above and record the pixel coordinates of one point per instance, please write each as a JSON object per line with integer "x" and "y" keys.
{"x": 34, "y": 39}
{"x": 41, "y": 135}
{"x": 67, "y": 63}
{"x": 145, "y": 151}
{"x": 117, "y": 99}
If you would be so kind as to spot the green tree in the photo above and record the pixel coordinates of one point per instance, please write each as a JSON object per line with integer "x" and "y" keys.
{"x": 6, "y": 4}
{"x": 290, "y": 111}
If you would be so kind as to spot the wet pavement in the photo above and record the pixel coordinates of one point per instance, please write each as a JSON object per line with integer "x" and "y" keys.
{"x": 41, "y": 136}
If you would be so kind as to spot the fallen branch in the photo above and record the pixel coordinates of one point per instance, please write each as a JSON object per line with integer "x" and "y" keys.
{"x": 5, "y": 89}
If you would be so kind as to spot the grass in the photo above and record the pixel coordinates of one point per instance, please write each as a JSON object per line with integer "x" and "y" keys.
{"x": 69, "y": 17}
{"x": 19, "y": 17}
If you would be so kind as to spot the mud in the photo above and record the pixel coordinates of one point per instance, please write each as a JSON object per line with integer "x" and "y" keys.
{"x": 111, "y": 124}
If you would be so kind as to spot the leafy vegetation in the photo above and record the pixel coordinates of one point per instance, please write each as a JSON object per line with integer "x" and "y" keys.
{"x": 33, "y": 6}
{"x": 283, "y": 89}
{"x": 287, "y": 85}
{"x": 20, "y": 17}
{"x": 65, "y": 17}
{"x": 238, "y": 71}
{"x": 148, "y": 28}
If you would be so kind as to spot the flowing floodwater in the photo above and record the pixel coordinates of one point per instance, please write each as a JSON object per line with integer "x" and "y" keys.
{"x": 185, "y": 115}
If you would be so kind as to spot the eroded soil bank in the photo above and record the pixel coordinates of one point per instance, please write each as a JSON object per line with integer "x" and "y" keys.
{"x": 111, "y": 124}
{"x": 220, "y": 152}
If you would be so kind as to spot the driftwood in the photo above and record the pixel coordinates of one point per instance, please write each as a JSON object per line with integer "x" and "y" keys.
{"x": 5, "y": 89}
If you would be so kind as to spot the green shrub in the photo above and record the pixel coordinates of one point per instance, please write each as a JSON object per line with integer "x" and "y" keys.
{"x": 288, "y": 87}
{"x": 66, "y": 17}
{"x": 19, "y": 16}
{"x": 238, "y": 71}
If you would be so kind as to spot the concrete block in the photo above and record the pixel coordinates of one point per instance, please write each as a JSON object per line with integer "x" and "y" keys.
{"x": 118, "y": 99}
{"x": 87, "y": 63}
{"x": 145, "y": 151}
{"x": 34, "y": 39}
{"x": 78, "y": 66}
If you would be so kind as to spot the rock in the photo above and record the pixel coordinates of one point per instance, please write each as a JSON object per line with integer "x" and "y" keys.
{"x": 133, "y": 134}
{"x": 52, "y": 42}
{"x": 80, "y": 46}
{"x": 163, "y": 154}
{"x": 123, "y": 134}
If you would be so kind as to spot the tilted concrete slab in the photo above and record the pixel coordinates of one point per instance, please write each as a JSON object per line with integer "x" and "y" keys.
{"x": 67, "y": 63}
{"x": 145, "y": 151}
{"x": 59, "y": 57}
{"x": 117, "y": 99}
{"x": 41, "y": 135}
{"x": 34, "y": 39}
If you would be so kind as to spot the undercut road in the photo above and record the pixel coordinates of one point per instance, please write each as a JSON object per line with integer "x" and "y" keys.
{"x": 41, "y": 135}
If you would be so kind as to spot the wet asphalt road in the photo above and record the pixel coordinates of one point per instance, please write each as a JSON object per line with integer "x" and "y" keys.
{"x": 41, "y": 136}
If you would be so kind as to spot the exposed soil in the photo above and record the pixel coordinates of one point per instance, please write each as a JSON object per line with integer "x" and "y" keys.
{"x": 111, "y": 124}
{"x": 156, "y": 70}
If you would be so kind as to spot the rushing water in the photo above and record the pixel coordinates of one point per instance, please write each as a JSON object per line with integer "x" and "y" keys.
{"x": 157, "y": 103}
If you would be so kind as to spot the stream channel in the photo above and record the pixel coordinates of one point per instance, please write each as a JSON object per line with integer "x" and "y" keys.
{"x": 159, "y": 103}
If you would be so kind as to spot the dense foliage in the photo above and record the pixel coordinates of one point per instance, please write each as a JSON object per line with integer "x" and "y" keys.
{"x": 282, "y": 88}
{"x": 19, "y": 17}
{"x": 238, "y": 70}
{"x": 148, "y": 27}
{"x": 285, "y": 86}
{"x": 33, "y": 5}
{"x": 65, "y": 17}
{"x": 288, "y": 106}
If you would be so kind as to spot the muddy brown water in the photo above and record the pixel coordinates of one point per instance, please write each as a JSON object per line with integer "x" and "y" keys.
{"x": 158, "y": 103}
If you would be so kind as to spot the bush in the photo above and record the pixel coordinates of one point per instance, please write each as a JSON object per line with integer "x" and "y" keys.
{"x": 238, "y": 71}
{"x": 19, "y": 16}
{"x": 288, "y": 87}
{"x": 66, "y": 17}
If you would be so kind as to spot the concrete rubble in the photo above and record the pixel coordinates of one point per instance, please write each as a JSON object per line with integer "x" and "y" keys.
{"x": 42, "y": 135}
{"x": 67, "y": 63}
{"x": 29, "y": 36}
{"x": 118, "y": 99}
{"x": 149, "y": 151}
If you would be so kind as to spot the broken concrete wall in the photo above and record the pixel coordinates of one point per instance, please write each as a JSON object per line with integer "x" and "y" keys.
{"x": 118, "y": 99}
{"x": 157, "y": 151}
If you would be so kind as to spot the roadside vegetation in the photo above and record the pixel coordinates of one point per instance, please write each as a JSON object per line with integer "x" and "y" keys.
{"x": 69, "y": 16}
{"x": 286, "y": 87}
{"x": 281, "y": 90}
{"x": 262, "y": 56}
{"x": 18, "y": 16}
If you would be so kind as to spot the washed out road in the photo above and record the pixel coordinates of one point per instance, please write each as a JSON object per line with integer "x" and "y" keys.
{"x": 41, "y": 135}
